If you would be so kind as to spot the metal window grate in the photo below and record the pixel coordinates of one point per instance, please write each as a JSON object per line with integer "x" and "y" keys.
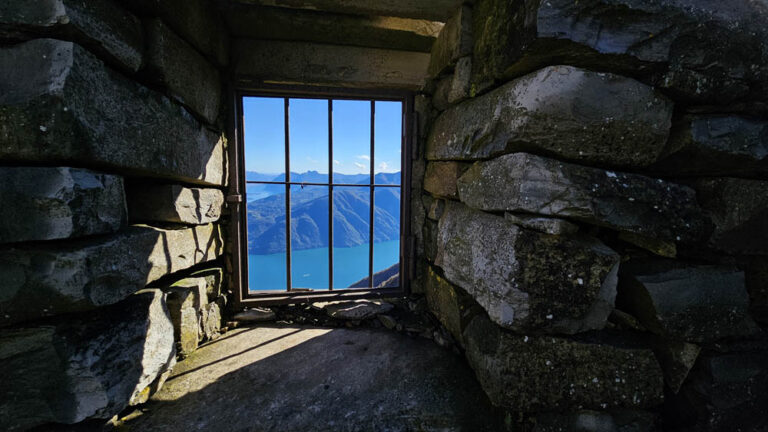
{"x": 295, "y": 294}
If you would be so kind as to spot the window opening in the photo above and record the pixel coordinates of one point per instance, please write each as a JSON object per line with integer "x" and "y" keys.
{"x": 323, "y": 183}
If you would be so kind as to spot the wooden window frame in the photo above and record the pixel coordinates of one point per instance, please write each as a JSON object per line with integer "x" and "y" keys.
{"x": 237, "y": 204}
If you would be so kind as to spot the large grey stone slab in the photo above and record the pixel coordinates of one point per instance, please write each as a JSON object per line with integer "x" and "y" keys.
{"x": 347, "y": 66}
{"x": 339, "y": 380}
{"x": 86, "y": 367}
{"x": 53, "y": 203}
{"x": 725, "y": 392}
{"x": 187, "y": 74}
{"x": 454, "y": 41}
{"x": 544, "y": 373}
{"x": 699, "y": 50}
{"x": 258, "y": 22}
{"x": 739, "y": 211}
{"x": 59, "y": 104}
{"x": 50, "y": 279}
{"x": 174, "y": 203}
{"x": 648, "y": 207}
{"x": 527, "y": 281}
{"x": 199, "y": 22}
{"x": 699, "y": 304}
{"x": 100, "y": 25}
{"x": 571, "y": 113}
{"x": 717, "y": 145}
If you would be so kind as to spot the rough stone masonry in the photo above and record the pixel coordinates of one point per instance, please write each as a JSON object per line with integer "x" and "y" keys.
{"x": 92, "y": 105}
{"x": 593, "y": 207}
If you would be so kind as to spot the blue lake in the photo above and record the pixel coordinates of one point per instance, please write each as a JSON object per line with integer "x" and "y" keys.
{"x": 309, "y": 268}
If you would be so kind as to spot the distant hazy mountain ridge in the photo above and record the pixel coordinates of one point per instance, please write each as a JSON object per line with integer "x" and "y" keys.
{"x": 309, "y": 212}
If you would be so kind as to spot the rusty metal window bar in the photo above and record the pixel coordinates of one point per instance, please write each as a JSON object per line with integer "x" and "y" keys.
{"x": 291, "y": 293}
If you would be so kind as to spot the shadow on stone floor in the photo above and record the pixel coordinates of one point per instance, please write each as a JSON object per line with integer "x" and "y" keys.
{"x": 294, "y": 378}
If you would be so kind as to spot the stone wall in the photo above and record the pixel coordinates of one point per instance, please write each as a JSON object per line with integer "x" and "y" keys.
{"x": 113, "y": 166}
{"x": 592, "y": 224}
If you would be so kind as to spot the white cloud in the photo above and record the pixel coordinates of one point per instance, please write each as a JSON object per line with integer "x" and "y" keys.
{"x": 364, "y": 157}
{"x": 335, "y": 162}
{"x": 383, "y": 166}
{"x": 359, "y": 165}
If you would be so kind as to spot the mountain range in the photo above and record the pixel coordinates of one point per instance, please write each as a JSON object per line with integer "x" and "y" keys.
{"x": 309, "y": 212}
{"x": 258, "y": 191}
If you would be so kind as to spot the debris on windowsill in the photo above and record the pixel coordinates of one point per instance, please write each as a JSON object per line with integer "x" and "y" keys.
{"x": 255, "y": 315}
{"x": 409, "y": 316}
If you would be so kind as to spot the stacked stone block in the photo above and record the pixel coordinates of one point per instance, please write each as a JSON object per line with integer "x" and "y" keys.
{"x": 113, "y": 164}
{"x": 593, "y": 218}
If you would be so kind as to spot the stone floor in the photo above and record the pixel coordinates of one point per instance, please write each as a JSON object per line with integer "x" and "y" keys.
{"x": 299, "y": 378}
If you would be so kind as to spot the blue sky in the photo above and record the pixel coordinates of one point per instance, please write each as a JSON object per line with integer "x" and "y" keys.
{"x": 264, "y": 135}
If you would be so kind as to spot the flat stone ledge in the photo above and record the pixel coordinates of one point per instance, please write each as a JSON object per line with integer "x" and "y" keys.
{"x": 47, "y": 280}
{"x": 56, "y": 203}
{"x": 174, "y": 204}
